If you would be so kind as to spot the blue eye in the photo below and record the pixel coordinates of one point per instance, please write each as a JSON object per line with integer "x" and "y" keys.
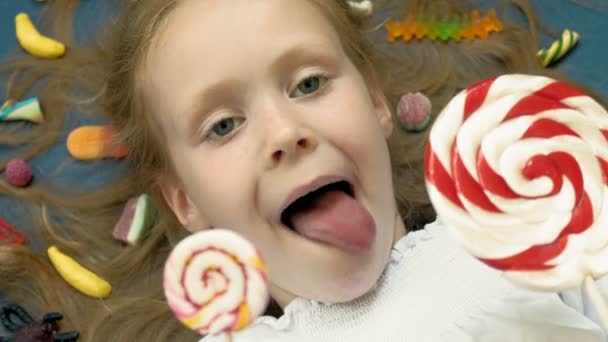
{"x": 309, "y": 85}
{"x": 223, "y": 128}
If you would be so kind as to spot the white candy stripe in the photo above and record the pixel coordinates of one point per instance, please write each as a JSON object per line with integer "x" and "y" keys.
{"x": 566, "y": 276}
{"x": 531, "y": 212}
{"x": 484, "y": 120}
{"x": 597, "y": 259}
{"x": 590, "y": 108}
{"x": 445, "y": 129}
{"x": 221, "y": 323}
{"x": 513, "y": 84}
{"x": 526, "y": 222}
{"x": 597, "y": 234}
{"x": 175, "y": 292}
{"x": 570, "y": 269}
{"x": 514, "y": 158}
{"x": 229, "y": 264}
{"x": 257, "y": 297}
{"x": 495, "y": 143}
{"x": 513, "y": 230}
{"x": 518, "y": 152}
{"x": 231, "y": 275}
{"x": 472, "y": 235}
{"x": 200, "y": 294}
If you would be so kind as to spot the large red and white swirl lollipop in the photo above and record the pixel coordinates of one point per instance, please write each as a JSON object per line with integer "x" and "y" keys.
{"x": 517, "y": 167}
{"x": 215, "y": 281}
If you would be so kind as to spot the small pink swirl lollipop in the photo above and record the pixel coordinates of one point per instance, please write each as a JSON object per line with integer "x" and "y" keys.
{"x": 517, "y": 166}
{"x": 215, "y": 281}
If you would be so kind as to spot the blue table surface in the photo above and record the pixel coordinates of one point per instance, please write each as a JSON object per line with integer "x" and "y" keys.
{"x": 587, "y": 64}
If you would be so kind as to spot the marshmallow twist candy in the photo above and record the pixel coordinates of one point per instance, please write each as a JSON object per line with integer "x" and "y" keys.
{"x": 215, "y": 281}
{"x": 558, "y": 48}
{"x": 517, "y": 167}
{"x": 28, "y": 110}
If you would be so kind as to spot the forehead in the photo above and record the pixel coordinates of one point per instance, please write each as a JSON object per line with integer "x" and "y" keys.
{"x": 206, "y": 41}
{"x": 213, "y": 21}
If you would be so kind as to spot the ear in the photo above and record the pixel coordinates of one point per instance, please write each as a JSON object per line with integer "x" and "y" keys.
{"x": 184, "y": 209}
{"x": 381, "y": 107}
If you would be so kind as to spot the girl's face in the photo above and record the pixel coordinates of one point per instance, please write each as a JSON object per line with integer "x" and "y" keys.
{"x": 260, "y": 105}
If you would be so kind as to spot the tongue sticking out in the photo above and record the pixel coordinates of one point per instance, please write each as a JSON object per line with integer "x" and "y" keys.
{"x": 338, "y": 219}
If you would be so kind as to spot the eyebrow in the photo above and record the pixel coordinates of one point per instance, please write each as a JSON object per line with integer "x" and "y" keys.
{"x": 204, "y": 101}
{"x": 303, "y": 54}
{"x": 226, "y": 90}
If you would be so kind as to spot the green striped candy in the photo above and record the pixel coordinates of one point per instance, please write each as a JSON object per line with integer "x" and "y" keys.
{"x": 559, "y": 48}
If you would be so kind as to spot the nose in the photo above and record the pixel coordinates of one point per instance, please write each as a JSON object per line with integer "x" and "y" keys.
{"x": 288, "y": 140}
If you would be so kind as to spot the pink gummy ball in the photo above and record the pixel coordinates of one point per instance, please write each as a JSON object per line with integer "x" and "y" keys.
{"x": 18, "y": 173}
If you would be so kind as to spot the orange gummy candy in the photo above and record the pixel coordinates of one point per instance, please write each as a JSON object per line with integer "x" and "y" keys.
{"x": 492, "y": 22}
{"x": 420, "y": 31}
{"x": 94, "y": 142}
{"x": 466, "y": 27}
{"x": 394, "y": 29}
{"x": 409, "y": 27}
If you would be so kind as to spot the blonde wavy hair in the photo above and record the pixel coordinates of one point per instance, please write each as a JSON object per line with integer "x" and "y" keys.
{"x": 101, "y": 79}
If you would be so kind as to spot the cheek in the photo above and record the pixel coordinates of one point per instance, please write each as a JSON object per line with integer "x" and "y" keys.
{"x": 219, "y": 186}
{"x": 350, "y": 119}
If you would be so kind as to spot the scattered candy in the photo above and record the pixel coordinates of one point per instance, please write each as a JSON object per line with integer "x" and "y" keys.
{"x": 414, "y": 112}
{"x": 215, "y": 281}
{"x": 28, "y": 110}
{"x": 34, "y": 42}
{"x": 10, "y": 235}
{"x": 78, "y": 276}
{"x": 18, "y": 173}
{"x": 94, "y": 142}
{"x": 444, "y": 29}
{"x": 559, "y": 48}
{"x": 361, "y": 8}
{"x": 137, "y": 216}
{"x": 7, "y": 104}
{"x": 517, "y": 166}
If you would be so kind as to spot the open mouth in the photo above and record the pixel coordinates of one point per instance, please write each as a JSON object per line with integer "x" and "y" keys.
{"x": 308, "y": 201}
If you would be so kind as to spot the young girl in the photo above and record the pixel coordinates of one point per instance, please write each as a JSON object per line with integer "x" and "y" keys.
{"x": 233, "y": 110}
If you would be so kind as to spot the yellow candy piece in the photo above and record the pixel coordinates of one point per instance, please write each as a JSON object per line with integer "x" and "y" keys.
{"x": 78, "y": 276}
{"x": 35, "y": 43}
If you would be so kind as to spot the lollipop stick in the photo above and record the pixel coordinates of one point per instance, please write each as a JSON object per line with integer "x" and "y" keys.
{"x": 229, "y": 335}
{"x": 597, "y": 300}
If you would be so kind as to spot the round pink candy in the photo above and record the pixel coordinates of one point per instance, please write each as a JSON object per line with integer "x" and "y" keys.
{"x": 414, "y": 111}
{"x": 18, "y": 173}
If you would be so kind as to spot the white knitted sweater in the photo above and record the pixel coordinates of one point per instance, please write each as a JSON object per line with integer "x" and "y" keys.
{"x": 432, "y": 290}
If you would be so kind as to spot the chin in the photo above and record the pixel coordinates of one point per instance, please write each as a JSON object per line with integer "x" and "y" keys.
{"x": 353, "y": 286}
